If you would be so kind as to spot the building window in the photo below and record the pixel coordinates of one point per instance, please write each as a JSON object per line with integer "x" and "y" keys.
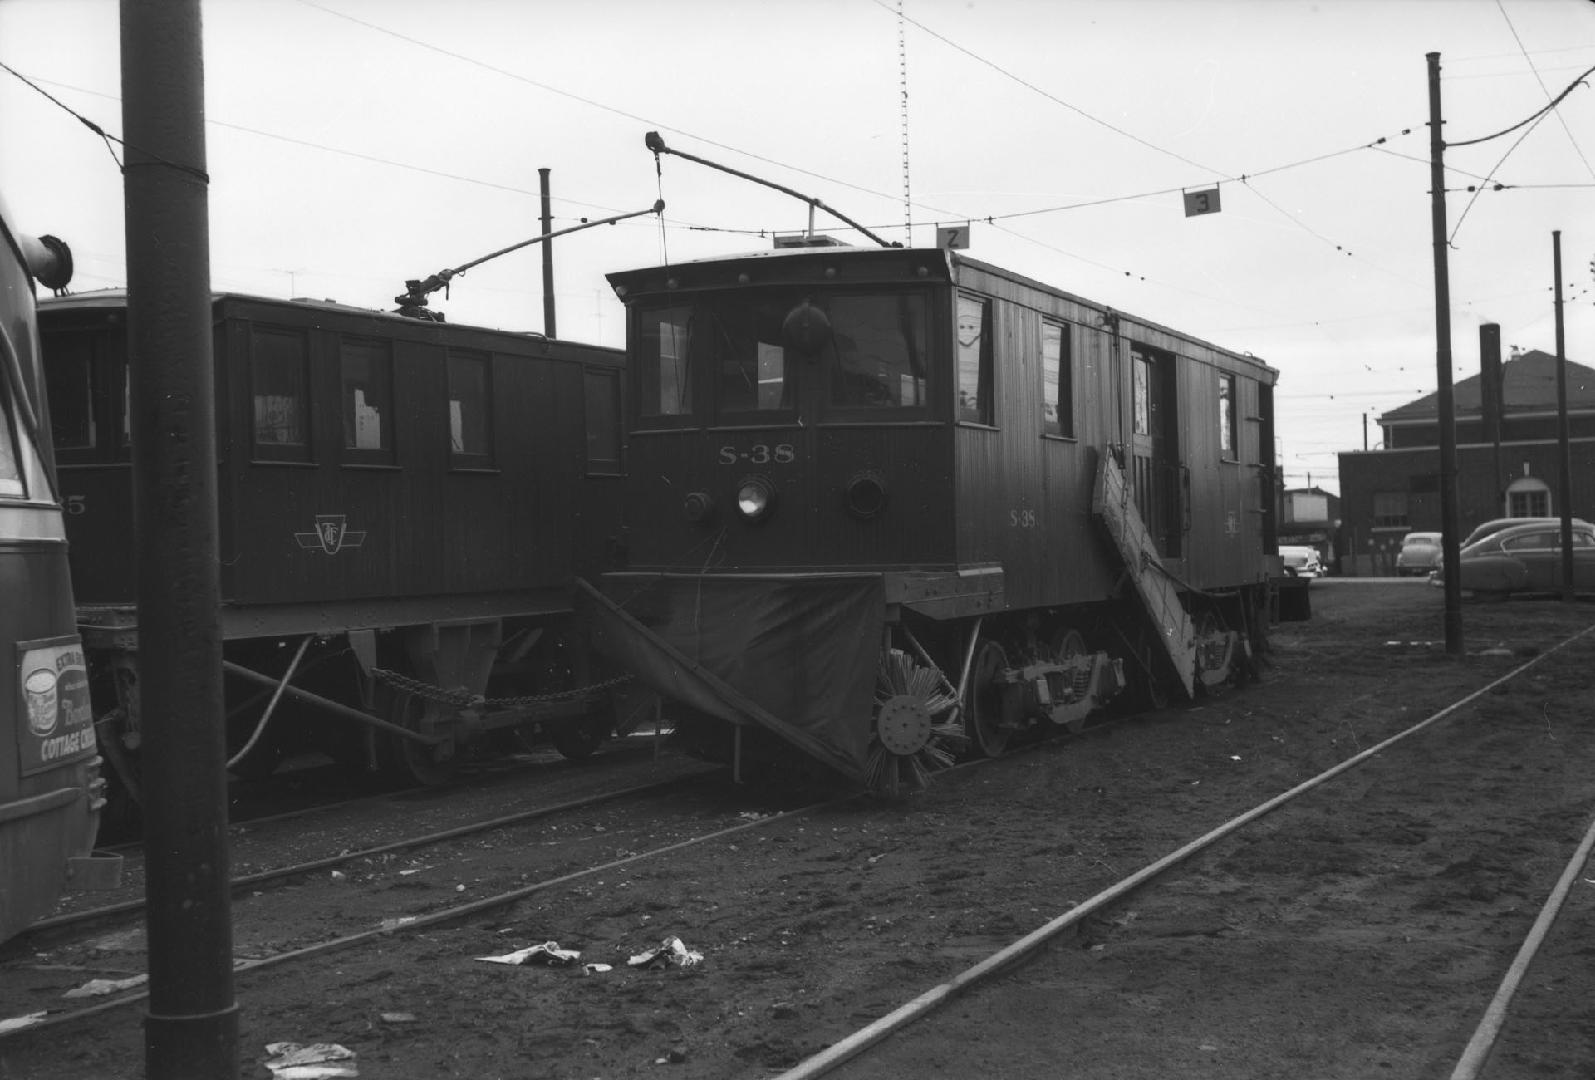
{"x": 1528, "y": 497}
{"x": 974, "y": 361}
{"x": 1227, "y": 429}
{"x": 664, "y": 373}
{"x": 602, "y": 393}
{"x": 279, "y": 387}
{"x": 1057, "y": 380}
{"x": 366, "y": 400}
{"x": 1390, "y": 510}
{"x": 470, "y": 409}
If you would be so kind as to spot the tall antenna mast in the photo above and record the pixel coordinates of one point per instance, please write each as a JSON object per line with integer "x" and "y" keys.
{"x": 902, "y": 65}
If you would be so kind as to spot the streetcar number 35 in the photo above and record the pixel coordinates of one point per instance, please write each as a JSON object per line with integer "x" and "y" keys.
{"x": 759, "y": 454}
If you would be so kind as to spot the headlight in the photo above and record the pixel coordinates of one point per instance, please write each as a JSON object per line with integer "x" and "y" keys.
{"x": 698, "y": 506}
{"x": 865, "y": 494}
{"x": 755, "y": 498}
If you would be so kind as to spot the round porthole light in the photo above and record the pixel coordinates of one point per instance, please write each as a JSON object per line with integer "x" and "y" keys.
{"x": 866, "y": 494}
{"x": 755, "y": 498}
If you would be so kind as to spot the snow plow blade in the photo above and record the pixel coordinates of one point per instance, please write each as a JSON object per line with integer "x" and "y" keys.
{"x": 808, "y": 646}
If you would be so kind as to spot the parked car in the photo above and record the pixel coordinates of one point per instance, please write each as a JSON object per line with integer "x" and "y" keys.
{"x": 1497, "y": 524}
{"x": 1527, "y": 558}
{"x": 1420, "y": 553}
{"x": 1301, "y": 560}
{"x": 1494, "y": 525}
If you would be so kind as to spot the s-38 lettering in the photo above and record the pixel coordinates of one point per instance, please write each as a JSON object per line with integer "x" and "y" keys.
{"x": 759, "y": 454}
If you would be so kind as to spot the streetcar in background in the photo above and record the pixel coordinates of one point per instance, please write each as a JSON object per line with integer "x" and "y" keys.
{"x": 51, "y": 790}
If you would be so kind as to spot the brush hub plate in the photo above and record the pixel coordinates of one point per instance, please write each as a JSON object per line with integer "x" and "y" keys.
{"x": 903, "y": 724}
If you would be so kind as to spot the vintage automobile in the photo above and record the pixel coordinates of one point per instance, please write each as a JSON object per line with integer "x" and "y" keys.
{"x": 1487, "y": 528}
{"x": 1527, "y": 559}
{"x": 1301, "y": 560}
{"x": 1420, "y": 553}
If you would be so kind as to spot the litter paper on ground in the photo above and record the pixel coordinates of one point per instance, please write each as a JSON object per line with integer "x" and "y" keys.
{"x": 548, "y": 953}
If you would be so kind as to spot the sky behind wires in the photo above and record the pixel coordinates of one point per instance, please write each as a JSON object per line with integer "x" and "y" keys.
{"x": 353, "y": 144}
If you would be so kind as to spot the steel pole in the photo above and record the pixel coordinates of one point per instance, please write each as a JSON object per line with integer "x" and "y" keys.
{"x": 1442, "y": 325}
{"x": 191, "y": 1027}
{"x": 548, "y": 256}
{"x": 1564, "y": 455}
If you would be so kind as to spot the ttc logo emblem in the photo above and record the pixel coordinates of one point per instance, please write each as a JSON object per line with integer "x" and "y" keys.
{"x": 332, "y": 535}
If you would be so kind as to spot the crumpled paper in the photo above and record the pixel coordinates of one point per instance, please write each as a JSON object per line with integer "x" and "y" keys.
{"x": 670, "y": 953}
{"x": 291, "y": 1061}
{"x": 17, "y": 1023}
{"x": 548, "y": 953}
{"x": 101, "y": 987}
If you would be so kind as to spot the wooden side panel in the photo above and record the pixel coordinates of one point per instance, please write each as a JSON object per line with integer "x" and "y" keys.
{"x": 331, "y": 527}
{"x": 1023, "y": 500}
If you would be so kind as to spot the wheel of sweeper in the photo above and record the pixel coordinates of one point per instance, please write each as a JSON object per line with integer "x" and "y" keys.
{"x": 408, "y": 761}
{"x": 989, "y": 708}
{"x": 1068, "y": 646}
{"x": 905, "y": 740}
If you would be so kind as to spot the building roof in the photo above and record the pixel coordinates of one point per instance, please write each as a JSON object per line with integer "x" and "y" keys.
{"x": 1528, "y": 386}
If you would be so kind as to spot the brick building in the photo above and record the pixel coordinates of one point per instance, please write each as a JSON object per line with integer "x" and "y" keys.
{"x": 1507, "y": 457}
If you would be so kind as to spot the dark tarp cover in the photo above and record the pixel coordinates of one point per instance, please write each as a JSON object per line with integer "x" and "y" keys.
{"x": 798, "y": 655}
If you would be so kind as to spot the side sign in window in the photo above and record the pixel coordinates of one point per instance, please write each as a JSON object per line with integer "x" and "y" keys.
{"x": 974, "y": 360}
{"x": 53, "y": 681}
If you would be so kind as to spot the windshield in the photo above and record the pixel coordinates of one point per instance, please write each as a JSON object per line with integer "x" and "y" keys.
{"x": 755, "y": 352}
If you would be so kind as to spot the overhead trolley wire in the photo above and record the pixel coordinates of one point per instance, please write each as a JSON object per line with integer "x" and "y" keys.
{"x": 1531, "y": 118}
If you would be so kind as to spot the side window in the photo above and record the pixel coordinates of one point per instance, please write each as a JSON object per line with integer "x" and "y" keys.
{"x": 664, "y": 373}
{"x": 1227, "y": 431}
{"x": 1141, "y": 392}
{"x": 69, "y": 380}
{"x": 366, "y": 400}
{"x": 1057, "y": 380}
{"x": 602, "y": 394}
{"x": 974, "y": 360}
{"x": 470, "y": 409}
{"x": 1532, "y": 541}
{"x": 10, "y": 462}
{"x": 279, "y": 372}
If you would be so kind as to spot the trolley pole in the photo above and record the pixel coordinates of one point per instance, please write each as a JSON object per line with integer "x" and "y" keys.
{"x": 1442, "y": 325}
{"x": 191, "y": 1025}
{"x": 1564, "y": 454}
{"x": 548, "y": 257}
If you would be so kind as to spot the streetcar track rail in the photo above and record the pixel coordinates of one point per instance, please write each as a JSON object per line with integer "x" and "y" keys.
{"x": 993, "y": 966}
{"x": 454, "y": 913}
{"x": 282, "y": 873}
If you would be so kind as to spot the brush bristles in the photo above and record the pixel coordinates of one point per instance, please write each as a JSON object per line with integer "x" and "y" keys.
{"x": 902, "y": 676}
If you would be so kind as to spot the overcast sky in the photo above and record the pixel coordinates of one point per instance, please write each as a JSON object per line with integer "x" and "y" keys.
{"x": 355, "y": 143}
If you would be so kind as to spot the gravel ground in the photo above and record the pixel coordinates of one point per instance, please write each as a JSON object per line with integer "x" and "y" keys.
{"x": 1359, "y": 931}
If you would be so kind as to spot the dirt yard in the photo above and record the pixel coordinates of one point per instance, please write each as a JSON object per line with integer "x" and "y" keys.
{"x": 1359, "y": 931}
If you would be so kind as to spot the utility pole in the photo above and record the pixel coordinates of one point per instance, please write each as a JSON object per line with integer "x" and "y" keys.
{"x": 1564, "y": 454}
{"x": 191, "y": 1026}
{"x": 1442, "y": 326}
{"x": 548, "y": 257}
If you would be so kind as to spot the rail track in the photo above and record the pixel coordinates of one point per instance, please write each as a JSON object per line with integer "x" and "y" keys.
{"x": 819, "y": 922}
